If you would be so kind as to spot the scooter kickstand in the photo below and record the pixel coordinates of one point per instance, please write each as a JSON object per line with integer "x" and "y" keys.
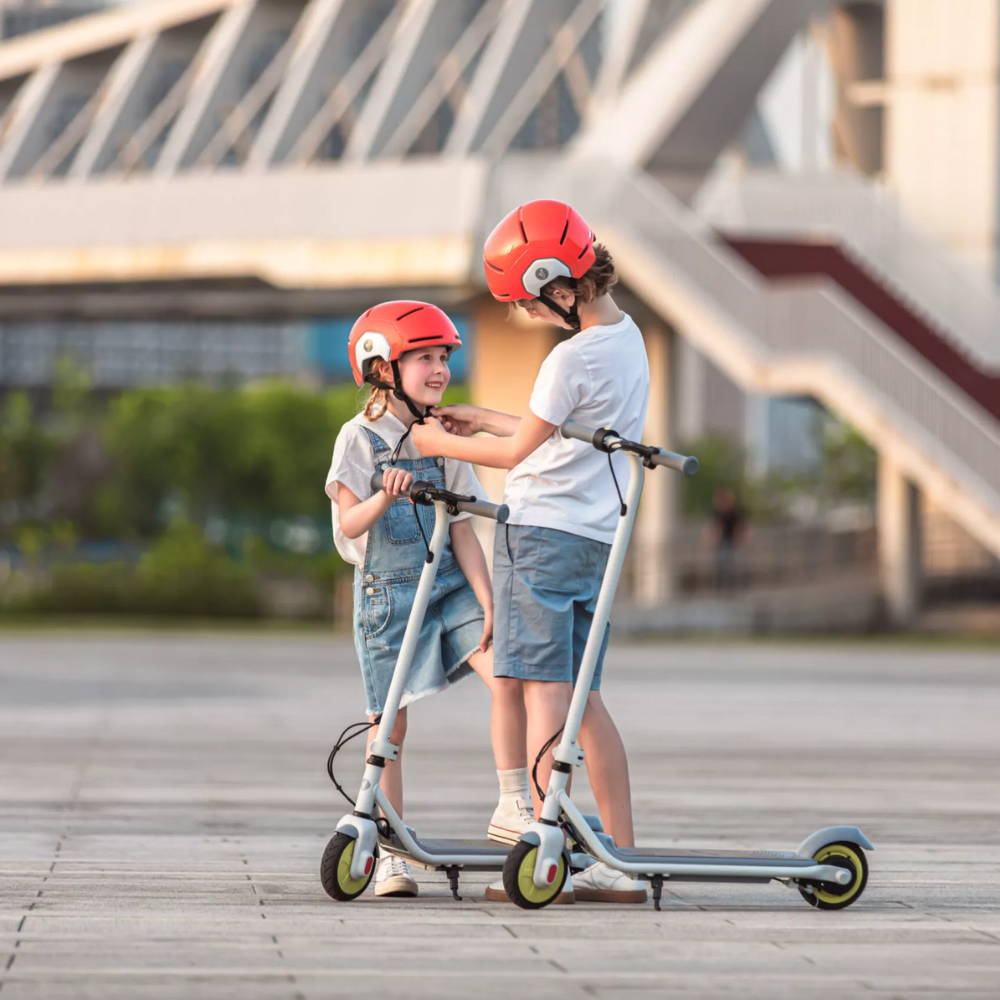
{"x": 657, "y": 881}
{"x": 453, "y": 882}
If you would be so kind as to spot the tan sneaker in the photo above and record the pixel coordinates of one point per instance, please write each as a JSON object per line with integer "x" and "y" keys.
{"x": 510, "y": 819}
{"x": 496, "y": 893}
{"x": 602, "y": 884}
{"x": 393, "y": 878}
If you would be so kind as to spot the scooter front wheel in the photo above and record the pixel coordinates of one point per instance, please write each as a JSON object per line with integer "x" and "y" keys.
{"x": 829, "y": 895}
{"x": 519, "y": 878}
{"x": 335, "y": 869}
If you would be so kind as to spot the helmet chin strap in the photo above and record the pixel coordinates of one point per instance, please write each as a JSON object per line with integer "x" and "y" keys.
{"x": 570, "y": 315}
{"x": 419, "y": 417}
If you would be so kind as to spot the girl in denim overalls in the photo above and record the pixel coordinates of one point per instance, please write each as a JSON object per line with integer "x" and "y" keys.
{"x": 401, "y": 349}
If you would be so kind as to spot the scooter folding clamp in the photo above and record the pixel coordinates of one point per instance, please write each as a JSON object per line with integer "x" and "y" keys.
{"x": 383, "y": 748}
{"x": 571, "y": 755}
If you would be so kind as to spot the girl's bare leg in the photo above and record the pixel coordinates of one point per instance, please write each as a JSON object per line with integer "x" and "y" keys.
{"x": 508, "y": 722}
{"x": 392, "y": 774}
{"x": 607, "y": 768}
{"x": 547, "y": 703}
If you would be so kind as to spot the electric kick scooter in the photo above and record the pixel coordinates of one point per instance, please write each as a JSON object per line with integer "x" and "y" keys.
{"x": 828, "y": 868}
{"x": 349, "y": 860}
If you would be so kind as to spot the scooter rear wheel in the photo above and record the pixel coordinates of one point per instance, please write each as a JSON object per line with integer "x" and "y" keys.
{"x": 335, "y": 869}
{"x": 828, "y": 895}
{"x": 519, "y": 878}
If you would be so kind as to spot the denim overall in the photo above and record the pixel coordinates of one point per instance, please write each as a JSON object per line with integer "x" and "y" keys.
{"x": 384, "y": 589}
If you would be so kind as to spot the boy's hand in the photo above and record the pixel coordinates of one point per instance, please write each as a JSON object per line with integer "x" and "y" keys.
{"x": 396, "y": 482}
{"x": 460, "y": 419}
{"x": 484, "y": 642}
{"x": 425, "y": 436}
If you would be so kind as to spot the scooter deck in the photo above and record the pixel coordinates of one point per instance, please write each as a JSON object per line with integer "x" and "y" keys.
{"x": 486, "y": 855}
{"x": 664, "y": 854}
{"x": 658, "y": 856}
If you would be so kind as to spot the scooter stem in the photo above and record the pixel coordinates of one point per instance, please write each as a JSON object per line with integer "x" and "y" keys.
{"x": 380, "y": 746}
{"x": 567, "y": 750}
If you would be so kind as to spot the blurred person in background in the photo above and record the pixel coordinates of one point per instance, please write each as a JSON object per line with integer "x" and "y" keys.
{"x": 727, "y": 530}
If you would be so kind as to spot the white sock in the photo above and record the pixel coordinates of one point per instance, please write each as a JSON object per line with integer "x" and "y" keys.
{"x": 514, "y": 784}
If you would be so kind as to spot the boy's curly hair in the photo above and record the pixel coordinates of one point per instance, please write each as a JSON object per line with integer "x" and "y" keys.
{"x": 597, "y": 281}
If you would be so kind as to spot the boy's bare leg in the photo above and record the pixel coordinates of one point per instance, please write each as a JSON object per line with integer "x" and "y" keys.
{"x": 607, "y": 768}
{"x": 547, "y": 704}
{"x": 508, "y": 722}
{"x": 392, "y": 773}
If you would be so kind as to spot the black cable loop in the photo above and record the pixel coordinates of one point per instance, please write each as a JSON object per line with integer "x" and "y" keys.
{"x": 621, "y": 499}
{"x": 342, "y": 740}
{"x": 423, "y": 535}
{"x": 393, "y": 459}
{"x": 538, "y": 760}
{"x": 394, "y": 454}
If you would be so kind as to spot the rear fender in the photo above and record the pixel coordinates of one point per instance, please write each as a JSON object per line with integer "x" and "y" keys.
{"x": 832, "y": 835}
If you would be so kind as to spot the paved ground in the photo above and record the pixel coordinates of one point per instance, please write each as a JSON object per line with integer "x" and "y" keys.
{"x": 163, "y": 809}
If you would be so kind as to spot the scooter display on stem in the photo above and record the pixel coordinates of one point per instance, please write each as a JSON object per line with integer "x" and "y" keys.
{"x": 829, "y": 868}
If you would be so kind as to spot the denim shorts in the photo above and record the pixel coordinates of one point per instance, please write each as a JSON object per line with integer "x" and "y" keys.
{"x": 449, "y": 635}
{"x": 545, "y": 587}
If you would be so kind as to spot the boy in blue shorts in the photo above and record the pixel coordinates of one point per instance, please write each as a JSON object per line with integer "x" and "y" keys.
{"x": 549, "y": 558}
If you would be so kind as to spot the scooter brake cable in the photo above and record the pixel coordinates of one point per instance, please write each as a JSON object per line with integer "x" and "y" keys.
{"x": 342, "y": 740}
{"x": 538, "y": 760}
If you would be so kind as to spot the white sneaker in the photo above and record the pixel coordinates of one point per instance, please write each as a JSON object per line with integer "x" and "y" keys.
{"x": 510, "y": 819}
{"x": 601, "y": 884}
{"x": 496, "y": 893}
{"x": 393, "y": 878}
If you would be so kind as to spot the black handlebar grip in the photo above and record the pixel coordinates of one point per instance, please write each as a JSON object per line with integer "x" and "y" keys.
{"x": 571, "y": 429}
{"x": 376, "y": 482}
{"x": 687, "y": 464}
{"x": 483, "y": 508}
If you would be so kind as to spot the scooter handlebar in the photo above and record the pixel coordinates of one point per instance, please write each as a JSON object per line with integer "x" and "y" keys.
{"x": 687, "y": 464}
{"x": 604, "y": 439}
{"x": 483, "y": 508}
{"x": 571, "y": 429}
{"x": 421, "y": 492}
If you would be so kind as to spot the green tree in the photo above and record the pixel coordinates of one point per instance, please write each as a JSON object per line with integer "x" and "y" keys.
{"x": 26, "y": 452}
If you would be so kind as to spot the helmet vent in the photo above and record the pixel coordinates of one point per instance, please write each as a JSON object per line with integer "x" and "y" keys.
{"x": 499, "y": 270}
{"x": 416, "y": 340}
{"x": 562, "y": 239}
{"x": 410, "y": 313}
{"x": 582, "y": 252}
{"x": 524, "y": 235}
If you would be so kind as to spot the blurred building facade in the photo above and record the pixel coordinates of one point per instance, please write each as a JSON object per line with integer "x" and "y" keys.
{"x": 801, "y": 195}
{"x": 19, "y": 17}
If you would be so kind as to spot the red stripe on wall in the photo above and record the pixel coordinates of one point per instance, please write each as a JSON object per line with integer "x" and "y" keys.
{"x": 786, "y": 259}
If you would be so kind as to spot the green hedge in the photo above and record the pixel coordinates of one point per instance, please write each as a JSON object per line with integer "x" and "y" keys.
{"x": 180, "y": 576}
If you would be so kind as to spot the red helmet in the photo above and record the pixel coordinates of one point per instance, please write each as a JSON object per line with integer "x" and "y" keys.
{"x": 390, "y": 329}
{"x": 537, "y": 242}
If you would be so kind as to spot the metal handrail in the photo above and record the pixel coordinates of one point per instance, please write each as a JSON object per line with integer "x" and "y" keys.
{"x": 952, "y": 297}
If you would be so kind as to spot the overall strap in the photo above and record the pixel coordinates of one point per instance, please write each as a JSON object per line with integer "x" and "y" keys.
{"x": 378, "y": 445}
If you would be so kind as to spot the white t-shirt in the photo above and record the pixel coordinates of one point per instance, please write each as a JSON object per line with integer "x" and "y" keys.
{"x": 354, "y": 463}
{"x": 599, "y": 378}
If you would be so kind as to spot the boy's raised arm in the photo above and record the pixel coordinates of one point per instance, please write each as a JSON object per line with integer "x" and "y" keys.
{"x": 466, "y": 420}
{"x": 432, "y": 440}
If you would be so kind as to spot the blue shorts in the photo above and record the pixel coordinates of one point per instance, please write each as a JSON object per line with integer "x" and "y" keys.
{"x": 545, "y": 587}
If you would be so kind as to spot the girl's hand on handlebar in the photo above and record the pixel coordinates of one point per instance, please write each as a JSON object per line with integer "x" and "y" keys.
{"x": 396, "y": 482}
{"x": 460, "y": 419}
